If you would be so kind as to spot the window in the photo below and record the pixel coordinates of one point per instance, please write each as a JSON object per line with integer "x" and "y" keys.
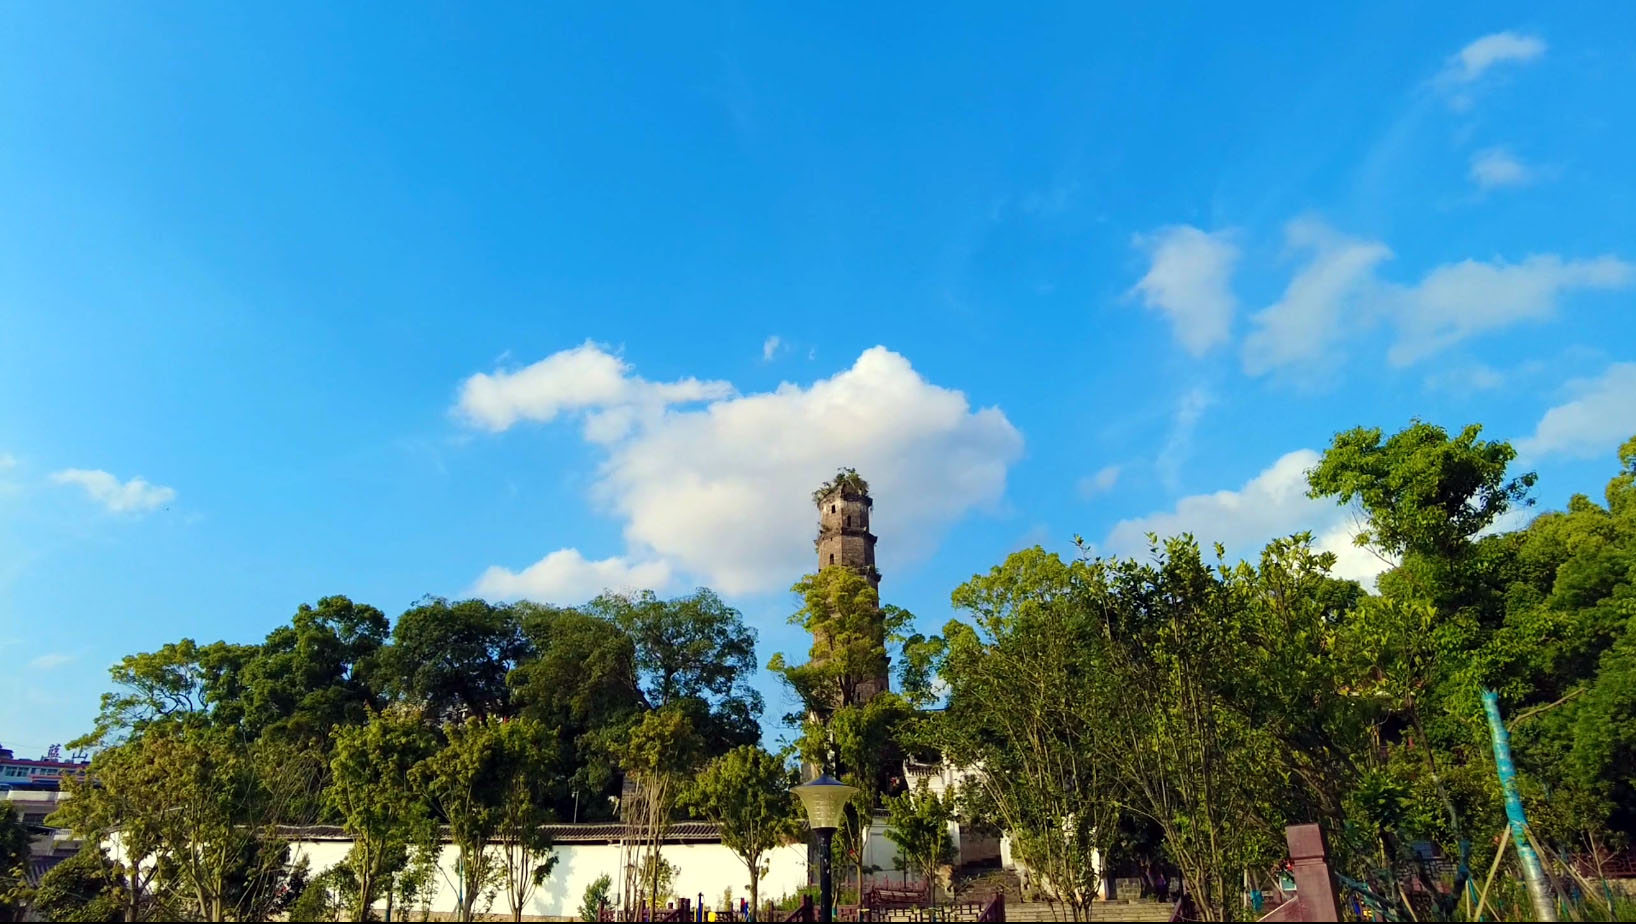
{"x": 849, "y": 521}
{"x": 831, "y": 508}
{"x": 832, "y": 558}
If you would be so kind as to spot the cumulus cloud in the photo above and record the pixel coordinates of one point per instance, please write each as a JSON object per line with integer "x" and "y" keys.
{"x": 1099, "y": 483}
{"x": 584, "y": 377}
{"x": 566, "y": 577}
{"x": 133, "y": 496}
{"x": 1190, "y": 282}
{"x": 1473, "y": 61}
{"x": 1601, "y": 416}
{"x": 1497, "y": 168}
{"x": 721, "y": 492}
{"x": 769, "y": 348}
{"x": 1460, "y": 300}
{"x": 1268, "y": 506}
{"x": 1325, "y": 299}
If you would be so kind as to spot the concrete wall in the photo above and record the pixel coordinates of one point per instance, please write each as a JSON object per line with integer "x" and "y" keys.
{"x": 707, "y": 868}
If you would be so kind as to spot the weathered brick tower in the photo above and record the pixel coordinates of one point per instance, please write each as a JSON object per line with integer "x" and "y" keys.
{"x": 844, "y": 540}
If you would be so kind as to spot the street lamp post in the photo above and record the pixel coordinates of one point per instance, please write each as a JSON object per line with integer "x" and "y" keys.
{"x": 825, "y": 799}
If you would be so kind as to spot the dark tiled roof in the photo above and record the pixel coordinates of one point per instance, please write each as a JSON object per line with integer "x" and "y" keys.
{"x": 38, "y": 866}
{"x": 589, "y": 833}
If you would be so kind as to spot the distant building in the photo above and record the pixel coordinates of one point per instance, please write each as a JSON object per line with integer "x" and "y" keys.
{"x": 46, "y": 773}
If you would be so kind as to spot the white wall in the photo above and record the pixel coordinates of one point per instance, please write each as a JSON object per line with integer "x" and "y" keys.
{"x": 707, "y": 868}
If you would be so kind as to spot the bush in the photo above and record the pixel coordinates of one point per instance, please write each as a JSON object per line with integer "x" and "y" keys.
{"x": 83, "y": 887}
{"x": 317, "y": 900}
{"x": 596, "y": 895}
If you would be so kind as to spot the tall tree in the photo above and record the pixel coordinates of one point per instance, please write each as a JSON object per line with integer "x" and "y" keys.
{"x": 14, "y": 854}
{"x": 583, "y": 683}
{"x": 374, "y": 794}
{"x": 918, "y": 823}
{"x": 746, "y": 792}
{"x": 533, "y": 784}
{"x": 660, "y": 752}
{"x": 321, "y": 670}
{"x": 1422, "y": 490}
{"x": 692, "y": 648}
{"x": 199, "y": 805}
{"x": 467, "y": 782}
{"x": 452, "y": 659}
{"x": 850, "y": 630}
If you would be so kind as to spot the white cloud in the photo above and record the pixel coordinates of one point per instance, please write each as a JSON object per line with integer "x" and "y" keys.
{"x": 1099, "y": 483}
{"x": 1190, "y": 282}
{"x": 1466, "y": 379}
{"x": 582, "y": 378}
{"x": 722, "y": 492}
{"x": 1460, "y": 300}
{"x": 1473, "y": 61}
{"x": 567, "y": 577}
{"x": 133, "y": 496}
{"x": 46, "y": 662}
{"x": 1179, "y": 443}
{"x": 1601, "y": 416}
{"x": 1270, "y": 505}
{"x": 1497, "y": 168}
{"x": 1324, "y": 301}
{"x": 1337, "y": 295}
{"x": 769, "y": 348}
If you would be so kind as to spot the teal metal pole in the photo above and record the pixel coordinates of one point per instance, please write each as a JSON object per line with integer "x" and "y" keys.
{"x": 1533, "y": 874}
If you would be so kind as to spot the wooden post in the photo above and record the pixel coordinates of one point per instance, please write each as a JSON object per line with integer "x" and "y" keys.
{"x": 1314, "y": 883}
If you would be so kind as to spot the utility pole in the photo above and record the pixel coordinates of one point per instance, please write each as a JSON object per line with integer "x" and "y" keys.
{"x": 1533, "y": 874}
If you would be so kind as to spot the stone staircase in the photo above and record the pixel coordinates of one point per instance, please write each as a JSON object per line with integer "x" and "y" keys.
{"x": 978, "y": 885}
{"x": 1116, "y": 910}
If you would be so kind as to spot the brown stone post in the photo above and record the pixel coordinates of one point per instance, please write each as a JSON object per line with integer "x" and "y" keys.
{"x": 1314, "y": 883}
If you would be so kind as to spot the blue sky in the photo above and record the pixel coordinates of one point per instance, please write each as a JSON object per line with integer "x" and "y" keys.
{"x": 529, "y": 300}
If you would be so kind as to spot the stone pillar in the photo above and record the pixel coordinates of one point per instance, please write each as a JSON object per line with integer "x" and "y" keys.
{"x": 1315, "y": 889}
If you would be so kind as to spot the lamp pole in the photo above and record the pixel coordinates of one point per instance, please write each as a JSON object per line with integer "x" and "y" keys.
{"x": 825, "y": 799}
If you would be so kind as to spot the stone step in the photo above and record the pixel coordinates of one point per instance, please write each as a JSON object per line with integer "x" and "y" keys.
{"x": 1100, "y": 911}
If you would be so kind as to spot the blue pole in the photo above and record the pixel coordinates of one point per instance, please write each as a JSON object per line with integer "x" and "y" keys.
{"x": 1533, "y": 874}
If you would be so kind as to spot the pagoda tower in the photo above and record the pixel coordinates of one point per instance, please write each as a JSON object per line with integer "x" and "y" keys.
{"x": 844, "y": 541}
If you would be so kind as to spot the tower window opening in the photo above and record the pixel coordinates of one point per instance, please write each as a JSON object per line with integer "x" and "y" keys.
{"x": 849, "y": 521}
{"x": 832, "y": 558}
{"x": 831, "y": 508}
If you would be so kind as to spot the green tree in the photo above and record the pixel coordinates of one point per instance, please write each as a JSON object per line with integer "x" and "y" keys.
{"x": 373, "y": 792}
{"x": 1030, "y": 702}
{"x": 583, "y": 683}
{"x": 596, "y": 897}
{"x": 14, "y": 854}
{"x": 164, "y": 686}
{"x": 452, "y": 659}
{"x": 203, "y": 806}
{"x": 660, "y": 752}
{"x": 533, "y": 783}
{"x": 84, "y": 887}
{"x": 692, "y": 648}
{"x": 918, "y": 823}
{"x": 850, "y": 630}
{"x": 746, "y": 792}
{"x": 466, "y": 782}
{"x": 1422, "y": 490}
{"x": 320, "y": 671}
